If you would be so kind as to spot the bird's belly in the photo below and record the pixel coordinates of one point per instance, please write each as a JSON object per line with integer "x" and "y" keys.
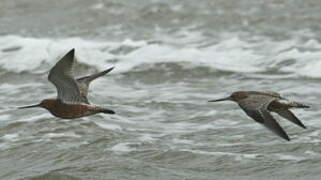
{"x": 71, "y": 111}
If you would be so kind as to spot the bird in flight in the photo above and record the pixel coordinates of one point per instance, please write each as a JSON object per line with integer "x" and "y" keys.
{"x": 71, "y": 101}
{"x": 259, "y": 105}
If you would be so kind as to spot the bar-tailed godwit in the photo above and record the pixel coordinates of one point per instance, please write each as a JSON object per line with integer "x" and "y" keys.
{"x": 71, "y": 101}
{"x": 258, "y": 106}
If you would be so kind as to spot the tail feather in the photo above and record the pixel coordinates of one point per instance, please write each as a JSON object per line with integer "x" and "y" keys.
{"x": 106, "y": 111}
{"x": 298, "y": 105}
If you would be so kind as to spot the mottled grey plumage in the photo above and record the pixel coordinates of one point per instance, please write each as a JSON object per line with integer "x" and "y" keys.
{"x": 69, "y": 90}
{"x": 258, "y": 106}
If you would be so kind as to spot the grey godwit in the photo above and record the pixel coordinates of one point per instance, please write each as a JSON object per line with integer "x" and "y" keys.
{"x": 71, "y": 101}
{"x": 258, "y": 106}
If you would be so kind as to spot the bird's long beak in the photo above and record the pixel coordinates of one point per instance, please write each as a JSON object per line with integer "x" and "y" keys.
{"x": 222, "y": 99}
{"x": 32, "y": 106}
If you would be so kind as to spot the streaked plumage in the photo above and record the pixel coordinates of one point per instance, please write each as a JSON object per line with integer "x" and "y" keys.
{"x": 72, "y": 94}
{"x": 258, "y": 106}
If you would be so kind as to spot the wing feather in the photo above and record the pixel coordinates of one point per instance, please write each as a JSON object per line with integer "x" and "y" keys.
{"x": 84, "y": 82}
{"x": 287, "y": 114}
{"x": 273, "y": 125}
{"x": 256, "y": 108}
{"x": 61, "y": 75}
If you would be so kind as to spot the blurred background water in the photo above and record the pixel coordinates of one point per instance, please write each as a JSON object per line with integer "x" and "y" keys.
{"x": 170, "y": 57}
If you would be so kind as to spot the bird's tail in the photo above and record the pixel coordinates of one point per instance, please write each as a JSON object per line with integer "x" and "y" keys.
{"x": 298, "y": 105}
{"x": 92, "y": 77}
{"x": 106, "y": 111}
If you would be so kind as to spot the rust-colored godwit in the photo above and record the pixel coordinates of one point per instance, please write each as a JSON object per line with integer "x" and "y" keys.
{"x": 258, "y": 106}
{"x": 71, "y": 101}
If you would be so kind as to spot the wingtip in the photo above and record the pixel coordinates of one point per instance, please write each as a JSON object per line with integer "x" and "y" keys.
{"x": 72, "y": 51}
{"x": 107, "y": 71}
{"x": 69, "y": 55}
{"x": 287, "y": 138}
{"x": 110, "y": 69}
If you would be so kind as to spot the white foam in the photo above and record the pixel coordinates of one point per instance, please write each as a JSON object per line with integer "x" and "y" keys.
{"x": 288, "y": 157}
{"x": 35, "y": 117}
{"x": 216, "y": 56}
{"x": 10, "y": 137}
{"x": 183, "y": 127}
{"x": 34, "y": 52}
{"x": 312, "y": 153}
{"x": 122, "y": 148}
{"x": 97, "y": 6}
{"x": 6, "y": 86}
{"x": 183, "y": 141}
{"x": 231, "y": 53}
{"x": 4, "y": 146}
{"x": 147, "y": 138}
{"x": 28, "y": 58}
{"x": 108, "y": 125}
{"x": 238, "y": 156}
{"x": 314, "y": 134}
{"x": 59, "y": 135}
{"x": 5, "y": 117}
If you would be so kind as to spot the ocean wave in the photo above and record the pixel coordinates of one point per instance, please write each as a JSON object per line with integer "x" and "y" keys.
{"x": 232, "y": 54}
{"x": 123, "y": 148}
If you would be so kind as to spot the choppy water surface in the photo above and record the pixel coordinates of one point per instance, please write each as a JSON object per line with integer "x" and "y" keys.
{"x": 170, "y": 57}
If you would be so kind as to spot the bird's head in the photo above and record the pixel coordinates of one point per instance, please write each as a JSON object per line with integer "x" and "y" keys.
{"x": 236, "y": 96}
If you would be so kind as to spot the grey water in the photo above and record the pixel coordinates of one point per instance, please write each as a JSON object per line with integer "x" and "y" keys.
{"x": 170, "y": 58}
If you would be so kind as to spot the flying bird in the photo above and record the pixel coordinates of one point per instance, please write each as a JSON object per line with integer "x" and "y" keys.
{"x": 71, "y": 101}
{"x": 259, "y": 105}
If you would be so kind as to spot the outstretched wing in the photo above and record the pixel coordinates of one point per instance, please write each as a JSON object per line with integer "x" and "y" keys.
{"x": 255, "y": 106}
{"x": 61, "y": 75}
{"x": 273, "y": 125}
{"x": 287, "y": 114}
{"x": 83, "y": 83}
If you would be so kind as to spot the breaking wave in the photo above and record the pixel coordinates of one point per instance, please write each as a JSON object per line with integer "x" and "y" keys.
{"x": 232, "y": 54}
